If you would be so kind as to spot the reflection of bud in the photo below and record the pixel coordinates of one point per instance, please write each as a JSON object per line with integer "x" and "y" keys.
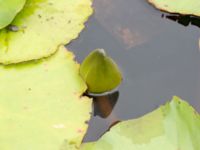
{"x": 100, "y": 72}
{"x": 103, "y": 105}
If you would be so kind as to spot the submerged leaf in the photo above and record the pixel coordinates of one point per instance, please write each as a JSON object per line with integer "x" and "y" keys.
{"x": 185, "y": 7}
{"x": 100, "y": 72}
{"x": 41, "y": 107}
{"x": 175, "y": 126}
{"x": 8, "y": 10}
{"x": 43, "y": 26}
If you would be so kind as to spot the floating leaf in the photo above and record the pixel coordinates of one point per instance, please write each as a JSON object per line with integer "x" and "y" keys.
{"x": 41, "y": 107}
{"x": 100, "y": 72}
{"x": 8, "y": 10}
{"x": 175, "y": 126}
{"x": 185, "y": 7}
{"x": 43, "y": 26}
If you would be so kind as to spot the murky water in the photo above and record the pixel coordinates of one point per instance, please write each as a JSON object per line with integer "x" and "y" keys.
{"x": 159, "y": 58}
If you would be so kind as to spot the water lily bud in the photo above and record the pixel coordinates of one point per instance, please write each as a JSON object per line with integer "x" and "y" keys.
{"x": 100, "y": 72}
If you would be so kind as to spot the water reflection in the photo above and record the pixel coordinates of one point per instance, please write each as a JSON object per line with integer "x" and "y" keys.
{"x": 104, "y": 115}
{"x": 103, "y": 105}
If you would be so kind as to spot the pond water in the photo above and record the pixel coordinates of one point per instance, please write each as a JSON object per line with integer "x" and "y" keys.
{"x": 158, "y": 54}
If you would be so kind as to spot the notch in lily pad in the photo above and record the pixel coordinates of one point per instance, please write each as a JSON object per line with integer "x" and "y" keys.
{"x": 100, "y": 72}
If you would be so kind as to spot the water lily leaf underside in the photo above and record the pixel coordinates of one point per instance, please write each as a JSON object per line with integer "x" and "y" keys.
{"x": 185, "y": 7}
{"x": 42, "y": 26}
{"x": 175, "y": 126}
{"x": 41, "y": 107}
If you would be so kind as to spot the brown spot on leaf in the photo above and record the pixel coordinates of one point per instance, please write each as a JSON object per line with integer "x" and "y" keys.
{"x": 80, "y": 130}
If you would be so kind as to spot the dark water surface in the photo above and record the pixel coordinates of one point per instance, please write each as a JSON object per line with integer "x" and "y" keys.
{"x": 157, "y": 53}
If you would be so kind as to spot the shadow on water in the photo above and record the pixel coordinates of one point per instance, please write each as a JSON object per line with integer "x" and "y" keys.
{"x": 158, "y": 58}
{"x": 184, "y": 20}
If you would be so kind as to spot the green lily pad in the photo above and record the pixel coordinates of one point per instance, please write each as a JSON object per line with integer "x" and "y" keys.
{"x": 8, "y": 10}
{"x": 100, "y": 72}
{"x": 42, "y": 26}
{"x": 185, "y": 7}
{"x": 175, "y": 126}
{"x": 41, "y": 107}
